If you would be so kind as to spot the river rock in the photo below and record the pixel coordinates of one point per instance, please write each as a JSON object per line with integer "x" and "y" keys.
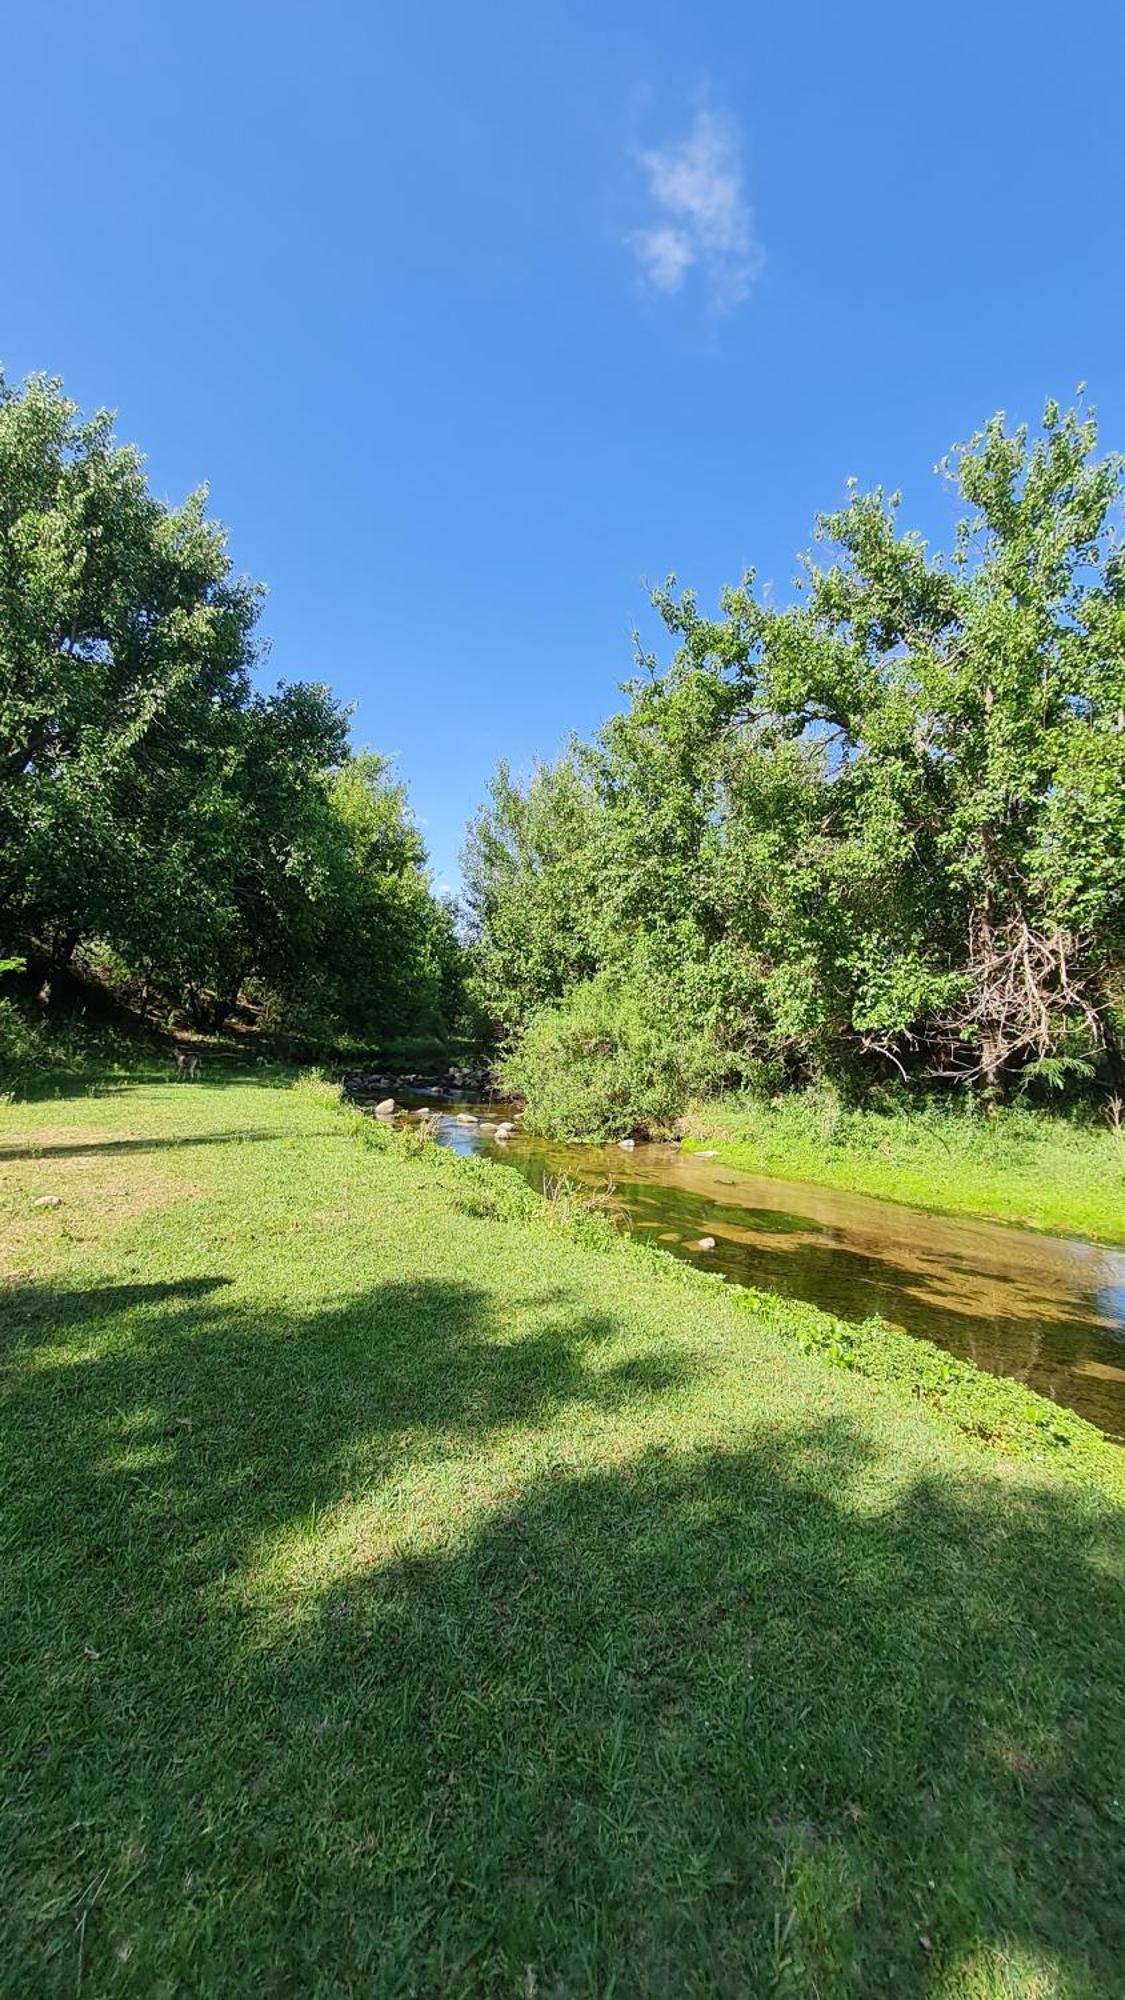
{"x": 505, "y": 1130}
{"x": 702, "y": 1243}
{"x": 467, "y": 1118}
{"x": 385, "y": 1108}
{"x": 626, "y": 1145}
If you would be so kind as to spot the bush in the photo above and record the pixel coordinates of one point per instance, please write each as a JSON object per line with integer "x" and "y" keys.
{"x": 317, "y": 1087}
{"x": 607, "y": 1062}
{"x": 21, "y": 1048}
{"x": 41, "y": 1053}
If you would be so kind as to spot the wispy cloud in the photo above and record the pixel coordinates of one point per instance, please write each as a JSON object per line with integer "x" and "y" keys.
{"x": 702, "y": 218}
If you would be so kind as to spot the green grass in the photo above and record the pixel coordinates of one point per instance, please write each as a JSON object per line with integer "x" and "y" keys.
{"x": 403, "y": 1597}
{"x": 1019, "y": 1166}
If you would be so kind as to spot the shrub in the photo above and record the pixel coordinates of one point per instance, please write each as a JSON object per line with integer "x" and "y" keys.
{"x": 43, "y": 1053}
{"x": 21, "y": 1047}
{"x": 606, "y": 1062}
{"x": 319, "y": 1088}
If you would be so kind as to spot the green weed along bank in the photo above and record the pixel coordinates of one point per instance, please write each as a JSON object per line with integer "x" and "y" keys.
{"x": 1028, "y": 1168}
{"x": 404, "y": 1596}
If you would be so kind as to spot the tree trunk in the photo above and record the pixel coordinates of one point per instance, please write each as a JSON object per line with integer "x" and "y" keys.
{"x": 63, "y": 948}
{"x": 1114, "y": 1062}
{"x": 992, "y": 1072}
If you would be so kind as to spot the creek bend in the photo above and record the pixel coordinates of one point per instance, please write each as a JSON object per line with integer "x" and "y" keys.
{"x": 1047, "y": 1311}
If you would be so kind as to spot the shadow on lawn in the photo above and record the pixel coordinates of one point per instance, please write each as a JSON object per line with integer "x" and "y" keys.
{"x": 174, "y": 1143}
{"x": 693, "y": 1723}
{"x": 45, "y": 1084}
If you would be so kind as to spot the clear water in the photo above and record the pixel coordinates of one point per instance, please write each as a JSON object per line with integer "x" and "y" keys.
{"x": 1046, "y": 1310}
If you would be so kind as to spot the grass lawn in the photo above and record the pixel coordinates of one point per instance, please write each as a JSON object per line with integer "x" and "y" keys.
{"x": 1024, "y": 1167}
{"x": 402, "y": 1598}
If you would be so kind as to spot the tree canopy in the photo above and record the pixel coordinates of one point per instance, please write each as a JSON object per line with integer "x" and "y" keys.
{"x": 878, "y": 831}
{"x": 221, "y": 841}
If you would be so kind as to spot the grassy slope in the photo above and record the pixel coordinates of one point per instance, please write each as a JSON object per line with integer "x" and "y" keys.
{"x": 403, "y": 1599}
{"x": 1023, "y": 1167}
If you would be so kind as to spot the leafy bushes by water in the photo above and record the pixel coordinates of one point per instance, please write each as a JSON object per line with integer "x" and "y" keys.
{"x": 607, "y": 1062}
{"x": 861, "y": 851}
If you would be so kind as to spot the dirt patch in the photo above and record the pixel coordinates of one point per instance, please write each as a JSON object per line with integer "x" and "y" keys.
{"x": 97, "y": 1193}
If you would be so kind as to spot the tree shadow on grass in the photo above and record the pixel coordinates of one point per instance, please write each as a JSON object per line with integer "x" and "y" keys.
{"x": 46, "y": 1085}
{"x": 249, "y": 1419}
{"x": 698, "y": 1727}
{"x": 46, "y": 1150}
{"x": 717, "y": 1722}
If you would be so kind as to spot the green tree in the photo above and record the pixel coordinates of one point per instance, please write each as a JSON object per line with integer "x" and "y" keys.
{"x": 879, "y": 828}
{"x": 534, "y": 888}
{"x": 220, "y": 840}
{"x": 387, "y": 954}
{"x": 975, "y": 711}
{"x": 124, "y": 644}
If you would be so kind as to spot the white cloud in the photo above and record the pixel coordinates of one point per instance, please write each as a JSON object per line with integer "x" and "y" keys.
{"x": 666, "y": 255}
{"x": 702, "y": 216}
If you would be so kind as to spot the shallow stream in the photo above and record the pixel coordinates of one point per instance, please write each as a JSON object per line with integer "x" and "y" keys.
{"x": 1047, "y": 1310}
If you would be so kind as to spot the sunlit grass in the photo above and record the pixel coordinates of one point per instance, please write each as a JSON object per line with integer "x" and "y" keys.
{"x": 1018, "y": 1166}
{"x": 403, "y": 1597}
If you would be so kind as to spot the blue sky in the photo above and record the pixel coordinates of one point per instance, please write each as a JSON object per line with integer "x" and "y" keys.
{"x": 476, "y": 318}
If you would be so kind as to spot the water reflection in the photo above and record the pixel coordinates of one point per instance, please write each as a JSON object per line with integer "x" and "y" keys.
{"x": 1045, "y": 1310}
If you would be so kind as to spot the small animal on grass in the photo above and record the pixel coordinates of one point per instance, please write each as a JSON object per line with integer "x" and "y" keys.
{"x": 187, "y": 1062}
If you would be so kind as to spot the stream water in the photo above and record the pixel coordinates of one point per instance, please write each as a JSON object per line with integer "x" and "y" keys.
{"x": 1047, "y": 1310}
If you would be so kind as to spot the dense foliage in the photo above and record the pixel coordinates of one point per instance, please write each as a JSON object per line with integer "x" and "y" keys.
{"x": 218, "y": 842}
{"x": 877, "y": 832}
{"x": 609, "y": 1059}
